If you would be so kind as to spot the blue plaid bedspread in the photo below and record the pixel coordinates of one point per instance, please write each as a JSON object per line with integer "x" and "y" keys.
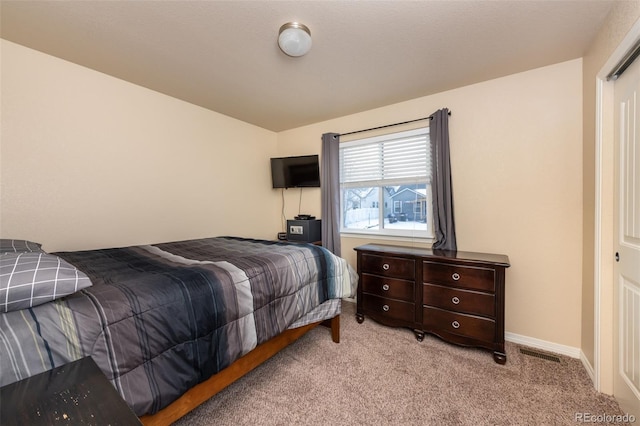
{"x": 162, "y": 318}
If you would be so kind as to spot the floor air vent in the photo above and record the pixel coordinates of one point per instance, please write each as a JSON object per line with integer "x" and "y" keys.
{"x": 539, "y": 355}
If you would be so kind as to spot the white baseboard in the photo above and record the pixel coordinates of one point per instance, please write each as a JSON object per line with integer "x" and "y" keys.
{"x": 544, "y": 345}
{"x": 556, "y": 348}
{"x": 587, "y": 366}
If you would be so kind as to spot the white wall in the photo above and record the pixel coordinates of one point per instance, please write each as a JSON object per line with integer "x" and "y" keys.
{"x": 516, "y": 149}
{"x": 88, "y": 160}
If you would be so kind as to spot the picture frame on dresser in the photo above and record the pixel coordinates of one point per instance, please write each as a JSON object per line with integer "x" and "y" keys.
{"x": 456, "y": 295}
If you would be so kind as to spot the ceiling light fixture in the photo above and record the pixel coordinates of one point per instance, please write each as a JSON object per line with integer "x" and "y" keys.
{"x": 294, "y": 39}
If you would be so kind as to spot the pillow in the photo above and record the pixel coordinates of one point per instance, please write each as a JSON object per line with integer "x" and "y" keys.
{"x": 19, "y": 246}
{"x": 31, "y": 279}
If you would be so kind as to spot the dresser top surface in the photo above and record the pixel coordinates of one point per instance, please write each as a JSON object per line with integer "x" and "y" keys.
{"x": 445, "y": 255}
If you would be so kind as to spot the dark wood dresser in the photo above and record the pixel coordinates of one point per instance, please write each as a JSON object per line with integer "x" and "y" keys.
{"x": 456, "y": 295}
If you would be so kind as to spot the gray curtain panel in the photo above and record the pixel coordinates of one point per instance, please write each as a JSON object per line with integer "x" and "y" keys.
{"x": 443, "y": 218}
{"x": 330, "y": 192}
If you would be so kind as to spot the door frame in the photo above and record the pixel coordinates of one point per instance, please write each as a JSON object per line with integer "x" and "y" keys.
{"x": 604, "y": 239}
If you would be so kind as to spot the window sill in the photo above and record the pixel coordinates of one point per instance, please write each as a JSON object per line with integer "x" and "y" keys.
{"x": 398, "y": 238}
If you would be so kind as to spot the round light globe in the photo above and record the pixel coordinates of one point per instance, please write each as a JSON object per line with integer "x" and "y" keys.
{"x": 294, "y": 39}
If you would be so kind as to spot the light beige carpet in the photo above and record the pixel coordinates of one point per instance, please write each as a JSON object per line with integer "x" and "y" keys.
{"x": 383, "y": 376}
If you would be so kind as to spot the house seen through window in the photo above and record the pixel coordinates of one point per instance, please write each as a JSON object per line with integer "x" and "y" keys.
{"x": 385, "y": 185}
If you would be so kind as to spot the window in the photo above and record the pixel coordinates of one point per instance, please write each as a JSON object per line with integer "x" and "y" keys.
{"x": 385, "y": 185}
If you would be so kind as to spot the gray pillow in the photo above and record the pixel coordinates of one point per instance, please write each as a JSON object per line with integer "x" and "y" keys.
{"x": 31, "y": 279}
{"x": 19, "y": 246}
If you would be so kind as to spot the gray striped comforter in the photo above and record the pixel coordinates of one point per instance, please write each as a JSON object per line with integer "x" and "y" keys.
{"x": 161, "y": 318}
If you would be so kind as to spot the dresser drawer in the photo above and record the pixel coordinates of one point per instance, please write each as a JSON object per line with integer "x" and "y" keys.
{"x": 453, "y": 299}
{"x": 471, "y": 277}
{"x": 388, "y": 266}
{"x": 478, "y": 328}
{"x": 388, "y": 287}
{"x": 395, "y": 310}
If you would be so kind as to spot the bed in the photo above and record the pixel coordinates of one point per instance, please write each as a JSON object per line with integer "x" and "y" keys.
{"x": 169, "y": 324}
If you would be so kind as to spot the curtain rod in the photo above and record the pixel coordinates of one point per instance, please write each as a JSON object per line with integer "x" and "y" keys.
{"x": 387, "y": 125}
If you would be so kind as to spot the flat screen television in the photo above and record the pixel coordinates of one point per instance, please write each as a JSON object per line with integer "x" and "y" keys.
{"x": 295, "y": 172}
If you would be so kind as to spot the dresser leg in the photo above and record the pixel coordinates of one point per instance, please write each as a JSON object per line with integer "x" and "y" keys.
{"x": 500, "y": 357}
{"x": 360, "y": 318}
{"x": 419, "y": 335}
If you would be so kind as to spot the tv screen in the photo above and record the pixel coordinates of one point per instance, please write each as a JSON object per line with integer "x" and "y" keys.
{"x": 295, "y": 172}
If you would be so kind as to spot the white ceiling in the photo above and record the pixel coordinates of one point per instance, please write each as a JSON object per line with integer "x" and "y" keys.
{"x": 223, "y": 55}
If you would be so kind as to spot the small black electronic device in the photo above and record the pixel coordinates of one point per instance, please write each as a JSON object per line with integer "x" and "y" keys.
{"x": 282, "y": 236}
{"x": 305, "y": 217}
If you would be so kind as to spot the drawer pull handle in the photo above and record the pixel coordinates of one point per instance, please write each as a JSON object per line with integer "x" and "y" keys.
{"x": 385, "y": 287}
{"x": 455, "y": 324}
{"x": 385, "y": 266}
{"x": 385, "y": 308}
{"x": 455, "y": 300}
{"x": 455, "y": 276}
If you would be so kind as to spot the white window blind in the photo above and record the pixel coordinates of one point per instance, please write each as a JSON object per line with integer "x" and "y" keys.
{"x": 385, "y": 185}
{"x": 404, "y": 157}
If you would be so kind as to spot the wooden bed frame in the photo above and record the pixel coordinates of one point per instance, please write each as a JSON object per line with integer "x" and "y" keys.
{"x": 216, "y": 383}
